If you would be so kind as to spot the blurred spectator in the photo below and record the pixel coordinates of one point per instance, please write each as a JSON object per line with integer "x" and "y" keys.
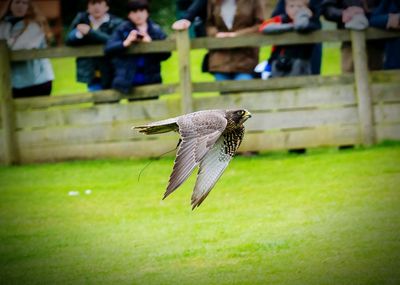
{"x": 316, "y": 55}
{"x": 192, "y": 15}
{"x": 135, "y": 69}
{"x": 292, "y": 60}
{"x": 93, "y": 27}
{"x": 23, "y": 27}
{"x": 387, "y": 16}
{"x": 193, "y": 11}
{"x": 231, "y": 18}
{"x": 354, "y": 14}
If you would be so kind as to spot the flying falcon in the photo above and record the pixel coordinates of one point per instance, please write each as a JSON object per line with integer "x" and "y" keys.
{"x": 208, "y": 138}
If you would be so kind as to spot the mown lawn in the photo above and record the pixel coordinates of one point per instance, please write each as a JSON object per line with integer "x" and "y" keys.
{"x": 327, "y": 217}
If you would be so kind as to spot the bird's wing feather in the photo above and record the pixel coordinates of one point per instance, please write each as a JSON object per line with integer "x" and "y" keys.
{"x": 211, "y": 169}
{"x": 199, "y": 131}
{"x": 214, "y": 164}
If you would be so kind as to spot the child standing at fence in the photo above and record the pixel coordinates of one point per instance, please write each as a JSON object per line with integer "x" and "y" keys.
{"x": 93, "y": 27}
{"x": 316, "y": 57}
{"x": 134, "y": 70}
{"x": 23, "y": 27}
{"x": 292, "y": 60}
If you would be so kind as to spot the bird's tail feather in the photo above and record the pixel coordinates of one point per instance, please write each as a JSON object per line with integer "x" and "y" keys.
{"x": 158, "y": 127}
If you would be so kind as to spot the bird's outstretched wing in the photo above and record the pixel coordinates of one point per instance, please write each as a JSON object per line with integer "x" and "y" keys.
{"x": 199, "y": 131}
{"x": 214, "y": 164}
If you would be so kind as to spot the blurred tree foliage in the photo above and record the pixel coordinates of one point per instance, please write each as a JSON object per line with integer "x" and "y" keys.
{"x": 161, "y": 11}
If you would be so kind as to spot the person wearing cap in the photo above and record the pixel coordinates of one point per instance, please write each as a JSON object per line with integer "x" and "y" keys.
{"x": 354, "y": 15}
{"x": 135, "y": 69}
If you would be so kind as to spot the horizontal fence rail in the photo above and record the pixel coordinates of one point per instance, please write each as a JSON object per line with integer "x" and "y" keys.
{"x": 205, "y": 43}
{"x": 289, "y": 112}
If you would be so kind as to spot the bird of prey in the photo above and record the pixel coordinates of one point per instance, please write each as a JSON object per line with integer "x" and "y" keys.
{"x": 208, "y": 138}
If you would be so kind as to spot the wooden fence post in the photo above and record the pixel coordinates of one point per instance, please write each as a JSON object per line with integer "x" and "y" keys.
{"x": 11, "y": 155}
{"x": 185, "y": 79}
{"x": 363, "y": 90}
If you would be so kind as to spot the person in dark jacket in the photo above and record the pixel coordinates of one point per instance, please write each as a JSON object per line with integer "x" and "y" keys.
{"x": 192, "y": 15}
{"x": 93, "y": 27}
{"x": 316, "y": 56}
{"x": 354, "y": 14}
{"x": 292, "y": 60}
{"x": 130, "y": 69}
{"x": 387, "y": 16}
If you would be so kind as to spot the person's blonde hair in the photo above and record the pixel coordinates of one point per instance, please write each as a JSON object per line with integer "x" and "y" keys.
{"x": 33, "y": 14}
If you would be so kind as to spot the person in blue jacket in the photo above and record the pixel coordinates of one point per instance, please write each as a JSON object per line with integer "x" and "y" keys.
{"x": 135, "y": 69}
{"x": 387, "y": 16}
{"x": 93, "y": 27}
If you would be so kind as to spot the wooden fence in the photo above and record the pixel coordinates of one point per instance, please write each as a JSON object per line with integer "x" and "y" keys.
{"x": 296, "y": 112}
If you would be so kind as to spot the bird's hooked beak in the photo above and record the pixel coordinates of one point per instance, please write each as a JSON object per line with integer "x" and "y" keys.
{"x": 246, "y": 115}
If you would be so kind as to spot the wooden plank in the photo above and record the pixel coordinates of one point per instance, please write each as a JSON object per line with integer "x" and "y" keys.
{"x": 94, "y": 97}
{"x": 302, "y": 119}
{"x": 363, "y": 91}
{"x": 226, "y": 86}
{"x": 89, "y": 51}
{"x": 96, "y": 133}
{"x": 272, "y": 83}
{"x": 385, "y": 76}
{"x": 208, "y": 43}
{"x": 386, "y": 93}
{"x": 388, "y": 132}
{"x": 10, "y": 148}
{"x": 185, "y": 79}
{"x": 387, "y": 113}
{"x": 323, "y": 136}
{"x": 134, "y": 149}
{"x": 161, "y": 109}
{"x": 102, "y": 113}
{"x": 148, "y": 91}
{"x": 258, "y": 40}
{"x": 289, "y": 38}
{"x": 282, "y": 99}
{"x": 2, "y": 153}
{"x": 374, "y": 33}
{"x": 111, "y": 131}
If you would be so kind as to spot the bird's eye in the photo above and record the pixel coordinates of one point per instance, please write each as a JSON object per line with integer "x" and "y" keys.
{"x": 241, "y": 112}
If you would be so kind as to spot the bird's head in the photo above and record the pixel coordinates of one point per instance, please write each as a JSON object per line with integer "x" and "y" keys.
{"x": 238, "y": 116}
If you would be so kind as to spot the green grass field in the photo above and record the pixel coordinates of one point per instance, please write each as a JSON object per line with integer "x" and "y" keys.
{"x": 65, "y": 73}
{"x": 327, "y": 217}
